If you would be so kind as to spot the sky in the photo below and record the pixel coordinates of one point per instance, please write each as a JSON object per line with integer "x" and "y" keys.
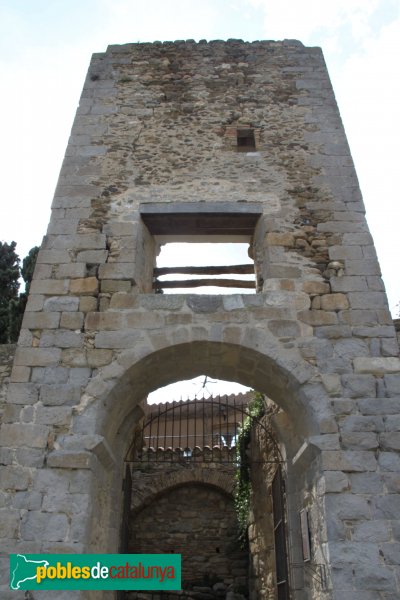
{"x": 45, "y": 50}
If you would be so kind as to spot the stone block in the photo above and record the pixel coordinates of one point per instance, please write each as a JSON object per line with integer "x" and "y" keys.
{"x": 318, "y": 317}
{"x": 44, "y": 526}
{"x": 41, "y": 320}
{"x": 379, "y": 406}
{"x": 80, "y": 241}
{"x": 358, "y": 386}
{"x": 110, "y": 321}
{"x": 70, "y": 460}
{"x": 115, "y": 285}
{"x": 27, "y": 500}
{"x": 366, "y": 483}
{"x": 280, "y": 239}
{"x": 360, "y": 300}
{"x": 362, "y": 267}
{"x": 119, "y": 228}
{"x": 50, "y": 375}
{"x": 315, "y": 287}
{"x": 374, "y": 579}
{"x": 204, "y": 304}
{"x": 61, "y": 339}
{"x": 348, "y": 461}
{"x": 54, "y": 502}
{"x": 72, "y": 320}
{"x": 35, "y": 302}
{"x": 53, "y": 257}
{"x": 72, "y": 270}
{"x": 20, "y": 374}
{"x": 22, "y": 393}
{"x": 50, "y": 287}
{"x": 392, "y": 384}
{"x": 349, "y": 284}
{"x": 355, "y": 552}
{"x": 390, "y": 441}
{"x": 362, "y": 423}
{"x": 123, "y": 300}
{"x": 389, "y": 461}
{"x": 14, "y": 478}
{"x": 20, "y": 434}
{"x": 9, "y": 523}
{"x": 99, "y": 358}
{"x": 332, "y": 384}
{"x": 30, "y": 457}
{"x": 346, "y": 507}
{"x": 74, "y": 357}
{"x": 284, "y": 328}
{"x": 376, "y": 365}
{"x": 87, "y": 286}
{"x": 117, "y": 271}
{"x": 345, "y": 252}
{"x": 392, "y": 482}
{"x": 56, "y": 395}
{"x": 335, "y": 482}
{"x": 334, "y": 302}
{"x": 93, "y": 257}
{"x": 359, "y": 441}
{"x": 87, "y": 303}
{"x": 53, "y": 415}
{"x": 63, "y": 304}
{"x": 387, "y": 507}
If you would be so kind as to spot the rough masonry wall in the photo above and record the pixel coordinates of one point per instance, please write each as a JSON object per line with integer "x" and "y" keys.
{"x": 156, "y": 123}
{"x": 200, "y": 523}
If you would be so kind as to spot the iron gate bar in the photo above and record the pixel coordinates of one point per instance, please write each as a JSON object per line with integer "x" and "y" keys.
{"x": 205, "y": 438}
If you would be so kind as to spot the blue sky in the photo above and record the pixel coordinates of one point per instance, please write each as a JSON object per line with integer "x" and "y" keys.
{"x": 45, "y": 49}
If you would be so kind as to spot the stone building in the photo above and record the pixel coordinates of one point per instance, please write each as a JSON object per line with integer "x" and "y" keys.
{"x": 218, "y": 141}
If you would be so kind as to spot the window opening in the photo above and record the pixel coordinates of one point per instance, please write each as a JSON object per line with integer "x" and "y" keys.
{"x": 246, "y": 140}
{"x": 204, "y": 268}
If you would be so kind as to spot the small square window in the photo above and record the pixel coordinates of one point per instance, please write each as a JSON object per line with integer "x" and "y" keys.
{"x": 246, "y": 140}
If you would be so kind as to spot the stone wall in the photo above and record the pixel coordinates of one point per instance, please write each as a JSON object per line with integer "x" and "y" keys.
{"x": 188, "y": 508}
{"x": 156, "y": 128}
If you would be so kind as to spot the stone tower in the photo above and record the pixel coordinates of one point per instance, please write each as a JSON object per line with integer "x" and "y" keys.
{"x": 211, "y": 141}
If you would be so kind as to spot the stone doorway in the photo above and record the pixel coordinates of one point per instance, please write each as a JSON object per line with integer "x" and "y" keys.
{"x": 184, "y": 469}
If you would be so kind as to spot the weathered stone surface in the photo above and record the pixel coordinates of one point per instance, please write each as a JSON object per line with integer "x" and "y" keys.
{"x": 17, "y": 435}
{"x": 52, "y": 528}
{"x": 66, "y": 303}
{"x": 378, "y": 366}
{"x": 87, "y": 286}
{"x": 38, "y": 320}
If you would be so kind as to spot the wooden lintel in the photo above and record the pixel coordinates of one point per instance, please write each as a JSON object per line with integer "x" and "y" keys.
{"x": 214, "y": 270}
{"x": 191, "y": 283}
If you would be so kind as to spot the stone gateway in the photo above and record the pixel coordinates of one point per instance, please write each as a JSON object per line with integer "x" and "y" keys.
{"x": 219, "y": 141}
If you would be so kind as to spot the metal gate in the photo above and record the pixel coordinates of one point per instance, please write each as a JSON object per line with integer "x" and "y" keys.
{"x": 201, "y": 429}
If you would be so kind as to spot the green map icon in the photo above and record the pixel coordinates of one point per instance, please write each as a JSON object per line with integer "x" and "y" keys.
{"x": 23, "y": 569}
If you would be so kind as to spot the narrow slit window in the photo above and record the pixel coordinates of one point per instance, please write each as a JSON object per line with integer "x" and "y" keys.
{"x": 245, "y": 140}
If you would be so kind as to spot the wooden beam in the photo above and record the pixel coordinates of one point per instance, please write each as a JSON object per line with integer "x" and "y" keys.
{"x": 191, "y": 283}
{"x": 220, "y": 270}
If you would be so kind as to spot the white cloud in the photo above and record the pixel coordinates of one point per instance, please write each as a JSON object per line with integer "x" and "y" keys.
{"x": 303, "y": 20}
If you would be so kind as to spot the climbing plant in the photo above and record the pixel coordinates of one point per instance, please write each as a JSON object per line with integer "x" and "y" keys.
{"x": 256, "y": 410}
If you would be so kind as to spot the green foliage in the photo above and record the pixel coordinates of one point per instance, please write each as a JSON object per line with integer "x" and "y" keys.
{"x": 9, "y": 274}
{"x": 256, "y": 410}
{"x": 28, "y": 267}
{"x": 12, "y": 305}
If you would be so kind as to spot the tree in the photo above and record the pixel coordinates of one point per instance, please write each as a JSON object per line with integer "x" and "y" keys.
{"x": 17, "y": 306}
{"x": 9, "y": 285}
{"x": 12, "y": 305}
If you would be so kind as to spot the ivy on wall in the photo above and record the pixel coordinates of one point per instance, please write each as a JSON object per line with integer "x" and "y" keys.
{"x": 242, "y": 494}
